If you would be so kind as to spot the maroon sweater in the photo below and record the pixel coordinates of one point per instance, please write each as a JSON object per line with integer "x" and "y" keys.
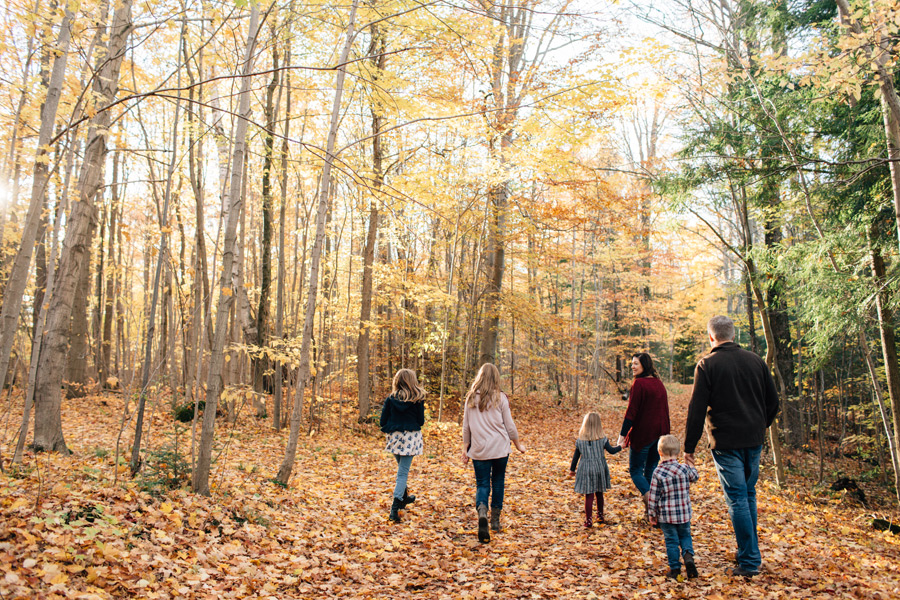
{"x": 648, "y": 412}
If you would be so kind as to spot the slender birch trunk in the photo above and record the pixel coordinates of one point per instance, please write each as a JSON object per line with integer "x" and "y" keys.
{"x": 284, "y": 472}
{"x": 48, "y": 434}
{"x": 200, "y": 479}
{"x": 277, "y": 421}
{"x": 378, "y": 58}
{"x": 261, "y": 363}
{"x": 18, "y": 276}
{"x": 160, "y": 261}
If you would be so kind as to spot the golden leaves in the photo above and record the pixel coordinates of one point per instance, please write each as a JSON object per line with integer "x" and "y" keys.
{"x": 327, "y": 535}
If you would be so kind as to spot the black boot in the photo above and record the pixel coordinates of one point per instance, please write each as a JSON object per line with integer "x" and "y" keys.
{"x": 396, "y": 505}
{"x": 495, "y": 519}
{"x": 690, "y": 565}
{"x": 407, "y": 498}
{"x": 484, "y": 535}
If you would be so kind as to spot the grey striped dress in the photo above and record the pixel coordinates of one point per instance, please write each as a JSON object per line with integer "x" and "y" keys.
{"x": 593, "y": 473}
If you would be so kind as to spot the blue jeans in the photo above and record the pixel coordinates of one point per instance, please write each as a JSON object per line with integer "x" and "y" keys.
{"x": 641, "y": 464}
{"x": 490, "y": 478}
{"x": 403, "y": 465}
{"x": 677, "y": 534}
{"x": 738, "y": 471}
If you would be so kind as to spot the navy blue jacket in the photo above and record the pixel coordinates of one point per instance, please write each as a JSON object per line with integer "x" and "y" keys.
{"x": 397, "y": 415}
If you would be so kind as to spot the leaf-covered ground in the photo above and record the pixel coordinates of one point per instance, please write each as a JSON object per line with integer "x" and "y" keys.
{"x": 67, "y": 531}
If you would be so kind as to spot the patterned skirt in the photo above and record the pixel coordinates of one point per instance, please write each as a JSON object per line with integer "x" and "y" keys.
{"x": 593, "y": 472}
{"x": 404, "y": 443}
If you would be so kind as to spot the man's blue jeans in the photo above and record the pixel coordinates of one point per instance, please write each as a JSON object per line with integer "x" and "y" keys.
{"x": 403, "y": 465}
{"x": 738, "y": 471}
{"x": 677, "y": 534}
{"x": 490, "y": 478}
{"x": 641, "y": 464}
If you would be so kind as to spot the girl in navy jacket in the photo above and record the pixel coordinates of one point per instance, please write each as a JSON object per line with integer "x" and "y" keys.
{"x": 402, "y": 417}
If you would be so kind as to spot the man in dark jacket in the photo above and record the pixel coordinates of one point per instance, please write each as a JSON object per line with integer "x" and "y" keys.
{"x": 734, "y": 395}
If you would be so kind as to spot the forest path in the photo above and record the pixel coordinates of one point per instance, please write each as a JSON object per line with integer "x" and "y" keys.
{"x": 328, "y": 536}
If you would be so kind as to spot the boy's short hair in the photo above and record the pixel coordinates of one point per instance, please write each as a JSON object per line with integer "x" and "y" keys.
{"x": 669, "y": 445}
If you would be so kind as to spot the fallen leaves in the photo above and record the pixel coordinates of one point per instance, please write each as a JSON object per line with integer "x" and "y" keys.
{"x": 327, "y": 534}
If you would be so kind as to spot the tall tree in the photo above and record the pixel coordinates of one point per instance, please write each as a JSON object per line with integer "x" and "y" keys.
{"x": 214, "y": 386}
{"x": 261, "y": 362}
{"x": 18, "y": 277}
{"x": 378, "y": 60}
{"x": 287, "y": 465}
{"x": 48, "y": 434}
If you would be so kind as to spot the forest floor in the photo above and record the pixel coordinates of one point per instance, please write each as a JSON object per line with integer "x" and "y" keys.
{"x": 68, "y": 531}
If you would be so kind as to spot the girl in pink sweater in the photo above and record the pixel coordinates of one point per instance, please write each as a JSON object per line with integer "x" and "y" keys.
{"x": 488, "y": 429}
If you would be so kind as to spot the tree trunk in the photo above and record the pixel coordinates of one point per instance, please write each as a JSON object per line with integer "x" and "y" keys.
{"x": 879, "y": 400}
{"x": 77, "y": 376}
{"x": 886, "y": 329}
{"x": 61, "y": 206}
{"x": 778, "y": 311}
{"x": 48, "y": 433}
{"x": 284, "y": 472}
{"x": 261, "y": 363}
{"x": 103, "y": 369}
{"x": 160, "y": 263}
{"x": 200, "y": 479}
{"x": 819, "y": 392}
{"x": 18, "y": 276}
{"x": 751, "y": 318}
{"x": 99, "y": 286}
{"x": 508, "y": 86}
{"x": 277, "y": 410}
{"x": 378, "y": 57}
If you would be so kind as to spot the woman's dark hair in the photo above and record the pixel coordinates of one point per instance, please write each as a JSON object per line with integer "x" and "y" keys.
{"x": 647, "y": 364}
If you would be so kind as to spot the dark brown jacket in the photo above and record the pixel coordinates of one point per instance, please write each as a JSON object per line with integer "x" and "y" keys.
{"x": 735, "y": 396}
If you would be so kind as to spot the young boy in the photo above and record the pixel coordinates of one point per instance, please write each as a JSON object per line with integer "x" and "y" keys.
{"x": 669, "y": 505}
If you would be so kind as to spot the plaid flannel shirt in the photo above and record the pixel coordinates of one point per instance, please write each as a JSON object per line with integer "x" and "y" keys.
{"x": 670, "y": 496}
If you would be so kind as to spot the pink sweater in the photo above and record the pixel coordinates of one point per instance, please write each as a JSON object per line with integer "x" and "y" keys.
{"x": 487, "y": 433}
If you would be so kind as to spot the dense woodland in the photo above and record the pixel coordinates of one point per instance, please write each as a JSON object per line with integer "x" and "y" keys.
{"x": 238, "y": 209}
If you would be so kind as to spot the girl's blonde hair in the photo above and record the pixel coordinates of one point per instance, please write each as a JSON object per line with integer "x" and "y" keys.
{"x": 485, "y": 390}
{"x": 406, "y": 387}
{"x": 591, "y": 427}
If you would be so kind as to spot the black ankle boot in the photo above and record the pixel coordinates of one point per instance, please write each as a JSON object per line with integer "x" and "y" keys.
{"x": 689, "y": 565}
{"x": 407, "y": 498}
{"x": 396, "y": 505}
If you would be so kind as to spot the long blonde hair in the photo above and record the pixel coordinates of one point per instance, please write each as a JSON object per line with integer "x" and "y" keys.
{"x": 485, "y": 390}
{"x": 591, "y": 427}
{"x": 406, "y": 387}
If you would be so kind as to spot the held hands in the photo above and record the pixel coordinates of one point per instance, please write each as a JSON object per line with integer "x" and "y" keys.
{"x": 654, "y": 521}
{"x": 689, "y": 460}
{"x": 620, "y": 441}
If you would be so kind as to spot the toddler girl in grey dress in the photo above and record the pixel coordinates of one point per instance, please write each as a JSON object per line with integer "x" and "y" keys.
{"x": 592, "y": 476}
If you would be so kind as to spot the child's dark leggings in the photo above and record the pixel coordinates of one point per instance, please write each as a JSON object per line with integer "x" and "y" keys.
{"x": 589, "y": 506}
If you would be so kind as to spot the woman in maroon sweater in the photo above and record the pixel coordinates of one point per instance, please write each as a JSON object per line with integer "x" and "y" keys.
{"x": 647, "y": 418}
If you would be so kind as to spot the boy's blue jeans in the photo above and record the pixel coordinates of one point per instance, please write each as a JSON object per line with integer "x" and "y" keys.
{"x": 677, "y": 534}
{"x": 738, "y": 471}
{"x": 403, "y": 465}
{"x": 490, "y": 479}
{"x": 641, "y": 464}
